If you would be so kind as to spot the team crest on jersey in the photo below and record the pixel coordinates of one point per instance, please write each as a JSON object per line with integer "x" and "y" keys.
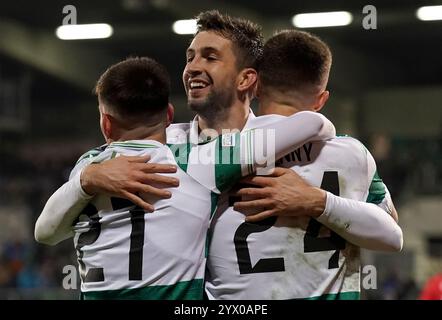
{"x": 228, "y": 140}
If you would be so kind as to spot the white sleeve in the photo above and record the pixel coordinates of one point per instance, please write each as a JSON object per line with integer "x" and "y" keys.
{"x": 363, "y": 224}
{"x": 55, "y": 221}
{"x": 261, "y": 147}
{"x": 368, "y": 224}
{"x": 65, "y": 205}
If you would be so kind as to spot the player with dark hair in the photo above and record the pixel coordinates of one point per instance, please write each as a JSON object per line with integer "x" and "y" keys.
{"x": 292, "y": 256}
{"x": 229, "y": 49}
{"x": 295, "y": 68}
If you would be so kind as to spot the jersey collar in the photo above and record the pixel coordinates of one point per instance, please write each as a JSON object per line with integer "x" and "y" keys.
{"x": 194, "y": 137}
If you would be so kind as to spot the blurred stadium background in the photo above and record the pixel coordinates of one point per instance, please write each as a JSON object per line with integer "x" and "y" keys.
{"x": 386, "y": 90}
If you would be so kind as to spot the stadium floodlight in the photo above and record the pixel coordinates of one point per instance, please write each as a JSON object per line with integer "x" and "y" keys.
{"x": 84, "y": 31}
{"x": 184, "y": 26}
{"x": 429, "y": 13}
{"x": 322, "y": 19}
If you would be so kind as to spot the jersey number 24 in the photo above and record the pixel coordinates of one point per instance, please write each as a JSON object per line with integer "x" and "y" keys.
{"x": 312, "y": 241}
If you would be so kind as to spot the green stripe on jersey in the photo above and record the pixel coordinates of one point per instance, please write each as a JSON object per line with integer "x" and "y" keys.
{"x": 181, "y": 154}
{"x": 227, "y": 164}
{"x": 377, "y": 190}
{"x": 353, "y": 295}
{"x": 185, "y": 290}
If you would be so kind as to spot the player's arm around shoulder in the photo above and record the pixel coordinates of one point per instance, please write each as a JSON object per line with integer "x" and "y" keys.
{"x": 379, "y": 195}
{"x": 127, "y": 177}
{"x": 387, "y": 234}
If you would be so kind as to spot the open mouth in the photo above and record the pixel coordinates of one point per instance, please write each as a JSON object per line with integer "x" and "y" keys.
{"x": 197, "y": 86}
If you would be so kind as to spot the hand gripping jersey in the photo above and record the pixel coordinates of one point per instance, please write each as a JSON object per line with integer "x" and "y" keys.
{"x": 295, "y": 258}
{"x": 125, "y": 253}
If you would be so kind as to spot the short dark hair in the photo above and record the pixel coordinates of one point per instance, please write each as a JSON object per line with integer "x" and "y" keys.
{"x": 135, "y": 88}
{"x": 245, "y": 35}
{"x": 293, "y": 59}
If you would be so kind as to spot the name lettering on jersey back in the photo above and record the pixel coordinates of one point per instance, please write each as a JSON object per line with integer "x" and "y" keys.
{"x": 302, "y": 154}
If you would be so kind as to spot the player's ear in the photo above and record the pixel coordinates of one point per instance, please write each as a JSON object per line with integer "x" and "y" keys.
{"x": 247, "y": 79}
{"x": 170, "y": 114}
{"x": 105, "y": 123}
{"x": 107, "y": 126}
{"x": 322, "y": 99}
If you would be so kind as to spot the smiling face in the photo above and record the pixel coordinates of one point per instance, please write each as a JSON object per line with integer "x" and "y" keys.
{"x": 210, "y": 75}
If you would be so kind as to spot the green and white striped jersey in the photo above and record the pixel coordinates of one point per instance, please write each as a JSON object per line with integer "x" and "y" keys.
{"x": 295, "y": 258}
{"x": 125, "y": 253}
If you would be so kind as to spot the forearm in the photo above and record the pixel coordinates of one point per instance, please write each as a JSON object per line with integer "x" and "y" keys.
{"x": 362, "y": 224}
{"x": 63, "y": 207}
{"x": 277, "y": 139}
{"x": 300, "y": 128}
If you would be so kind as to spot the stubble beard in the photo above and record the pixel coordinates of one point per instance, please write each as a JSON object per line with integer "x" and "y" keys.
{"x": 214, "y": 109}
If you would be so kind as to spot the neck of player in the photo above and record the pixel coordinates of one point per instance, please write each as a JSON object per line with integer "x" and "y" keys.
{"x": 142, "y": 133}
{"x": 284, "y": 108}
{"x": 233, "y": 118}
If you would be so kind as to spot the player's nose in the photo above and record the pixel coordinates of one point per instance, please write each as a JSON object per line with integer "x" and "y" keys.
{"x": 193, "y": 67}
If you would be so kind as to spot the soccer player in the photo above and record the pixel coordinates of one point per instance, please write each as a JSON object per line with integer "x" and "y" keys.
{"x": 220, "y": 61}
{"x": 300, "y": 256}
{"x": 124, "y": 253}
